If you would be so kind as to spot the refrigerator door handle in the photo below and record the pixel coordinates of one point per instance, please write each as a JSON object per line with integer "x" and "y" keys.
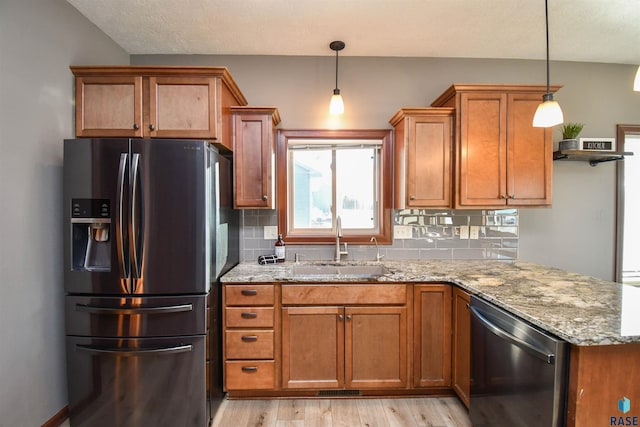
{"x": 135, "y": 310}
{"x": 134, "y": 238}
{"x": 120, "y": 220}
{"x": 126, "y": 352}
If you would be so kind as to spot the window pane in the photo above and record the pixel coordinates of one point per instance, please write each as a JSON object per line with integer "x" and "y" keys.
{"x": 312, "y": 189}
{"x": 631, "y": 238}
{"x": 355, "y": 187}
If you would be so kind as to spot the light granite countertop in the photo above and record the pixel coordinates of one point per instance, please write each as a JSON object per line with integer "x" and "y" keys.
{"x": 582, "y": 310}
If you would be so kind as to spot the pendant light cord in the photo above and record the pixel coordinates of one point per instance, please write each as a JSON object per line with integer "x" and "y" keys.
{"x": 546, "y": 20}
{"x": 337, "y": 68}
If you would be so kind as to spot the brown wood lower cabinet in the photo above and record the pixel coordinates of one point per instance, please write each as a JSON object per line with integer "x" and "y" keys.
{"x": 249, "y": 345}
{"x": 599, "y": 376}
{"x": 461, "y": 357}
{"x": 344, "y": 347}
{"x": 312, "y": 347}
{"x": 432, "y": 335}
{"x": 305, "y": 339}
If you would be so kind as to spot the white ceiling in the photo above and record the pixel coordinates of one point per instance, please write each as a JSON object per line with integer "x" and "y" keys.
{"x": 580, "y": 30}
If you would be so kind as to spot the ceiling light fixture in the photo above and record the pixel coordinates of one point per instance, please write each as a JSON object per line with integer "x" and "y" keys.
{"x": 636, "y": 82}
{"x": 549, "y": 112}
{"x": 336, "y": 106}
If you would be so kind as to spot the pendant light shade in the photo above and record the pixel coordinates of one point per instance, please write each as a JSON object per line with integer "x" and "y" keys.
{"x": 636, "y": 82}
{"x": 336, "y": 106}
{"x": 548, "y": 112}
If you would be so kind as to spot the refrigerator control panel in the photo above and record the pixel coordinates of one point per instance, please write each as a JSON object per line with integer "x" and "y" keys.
{"x": 90, "y": 208}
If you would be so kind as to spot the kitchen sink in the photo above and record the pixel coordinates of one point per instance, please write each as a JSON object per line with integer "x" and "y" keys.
{"x": 331, "y": 270}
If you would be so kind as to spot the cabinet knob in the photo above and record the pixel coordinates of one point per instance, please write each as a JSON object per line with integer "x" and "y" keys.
{"x": 348, "y": 317}
{"x": 249, "y": 292}
{"x": 412, "y": 197}
{"x": 264, "y": 197}
{"x": 249, "y": 369}
{"x": 340, "y": 317}
{"x": 152, "y": 128}
{"x": 135, "y": 126}
{"x": 513, "y": 196}
{"x": 249, "y": 338}
{"x": 503, "y": 196}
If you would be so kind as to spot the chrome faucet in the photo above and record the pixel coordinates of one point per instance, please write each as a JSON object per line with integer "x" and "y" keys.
{"x": 378, "y": 256}
{"x": 339, "y": 252}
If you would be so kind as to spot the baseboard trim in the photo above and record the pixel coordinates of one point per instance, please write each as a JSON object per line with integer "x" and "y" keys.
{"x": 58, "y": 418}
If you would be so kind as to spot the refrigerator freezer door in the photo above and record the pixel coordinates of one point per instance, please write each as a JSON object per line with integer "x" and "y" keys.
{"x": 137, "y": 382}
{"x": 170, "y": 209}
{"x": 96, "y": 178}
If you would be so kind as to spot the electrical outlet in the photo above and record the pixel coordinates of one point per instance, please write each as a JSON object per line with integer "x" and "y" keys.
{"x": 474, "y": 232}
{"x": 464, "y": 232}
{"x": 402, "y": 232}
{"x": 270, "y": 232}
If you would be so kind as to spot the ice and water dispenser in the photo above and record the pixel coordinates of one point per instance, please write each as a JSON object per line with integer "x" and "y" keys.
{"x": 91, "y": 235}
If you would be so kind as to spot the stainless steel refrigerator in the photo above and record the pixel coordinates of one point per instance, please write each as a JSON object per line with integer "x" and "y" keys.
{"x": 149, "y": 228}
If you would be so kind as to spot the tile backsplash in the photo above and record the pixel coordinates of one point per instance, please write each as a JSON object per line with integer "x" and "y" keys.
{"x": 418, "y": 234}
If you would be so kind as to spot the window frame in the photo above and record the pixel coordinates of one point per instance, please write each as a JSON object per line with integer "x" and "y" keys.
{"x": 383, "y": 236}
{"x": 622, "y": 131}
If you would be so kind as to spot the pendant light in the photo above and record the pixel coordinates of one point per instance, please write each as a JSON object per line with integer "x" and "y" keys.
{"x": 636, "y": 82}
{"x": 336, "y": 106}
{"x": 548, "y": 113}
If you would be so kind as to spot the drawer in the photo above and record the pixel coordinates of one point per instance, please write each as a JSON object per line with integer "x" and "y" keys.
{"x": 249, "y": 317}
{"x": 149, "y": 316}
{"x": 249, "y": 294}
{"x": 249, "y": 344}
{"x": 250, "y": 375}
{"x": 343, "y": 294}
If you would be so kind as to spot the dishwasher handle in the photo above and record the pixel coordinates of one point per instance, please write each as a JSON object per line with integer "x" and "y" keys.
{"x": 529, "y": 348}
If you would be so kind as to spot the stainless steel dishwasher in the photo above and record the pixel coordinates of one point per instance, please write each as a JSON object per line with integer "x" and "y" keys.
{"x": 518, "y": 372}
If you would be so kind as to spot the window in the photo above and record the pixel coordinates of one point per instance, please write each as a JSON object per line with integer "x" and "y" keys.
{"x": 628, "y": 209}
{"x": 323, "y": 175}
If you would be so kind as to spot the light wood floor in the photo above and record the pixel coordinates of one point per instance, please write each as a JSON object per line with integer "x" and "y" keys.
{"x": 418, "y": 412}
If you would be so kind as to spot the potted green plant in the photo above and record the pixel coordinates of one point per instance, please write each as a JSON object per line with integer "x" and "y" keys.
{"x": 570, "y": 132}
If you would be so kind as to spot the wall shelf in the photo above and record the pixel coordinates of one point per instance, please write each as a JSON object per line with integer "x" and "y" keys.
{"x": 593, "y": 157}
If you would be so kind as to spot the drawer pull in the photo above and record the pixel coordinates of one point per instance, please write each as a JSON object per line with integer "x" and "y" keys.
{"x": 249, "y": 292}
{"x": 249, "y": 315}
{"x": 249, "y": 338}
{"x": 249, "y": 369}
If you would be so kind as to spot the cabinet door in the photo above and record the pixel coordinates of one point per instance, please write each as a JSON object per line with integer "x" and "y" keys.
{"x": 432, "y": 336}
{"x": 429, "y": 161}
{"x": 461, "y": 345}
{"x": 254, "y": 155}
{"x": 312, "y": 347}
{"x": 376, "y": 347}
{"x": 482, "y": 149}
{"x": 183, "y": 107}
{"x": 530, "y": 154}
{"x": 109, "y": 106}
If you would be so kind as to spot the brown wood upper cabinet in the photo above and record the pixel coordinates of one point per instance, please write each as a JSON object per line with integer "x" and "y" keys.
{"x": 254, "y": 156}
{"x": 501, "y": 159}
{"x": 422, "y": 157}
{"x": 156, "y": 102}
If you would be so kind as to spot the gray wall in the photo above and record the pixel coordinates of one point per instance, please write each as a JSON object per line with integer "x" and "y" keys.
{"x": 577, "y": 233}
{"x": 39, "y": 39}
